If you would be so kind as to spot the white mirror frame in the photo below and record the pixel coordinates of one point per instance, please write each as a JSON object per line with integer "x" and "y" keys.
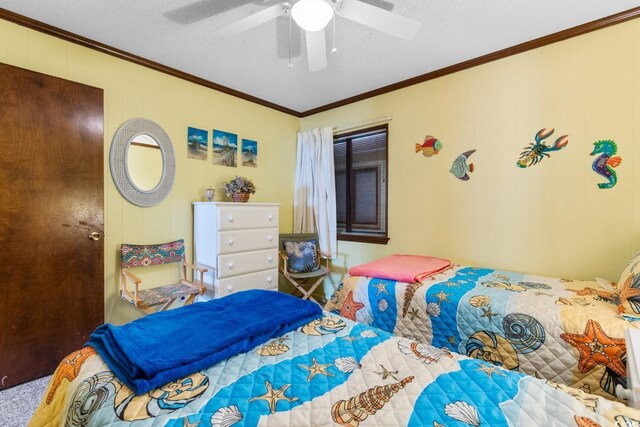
{"x": 120, "y": 143}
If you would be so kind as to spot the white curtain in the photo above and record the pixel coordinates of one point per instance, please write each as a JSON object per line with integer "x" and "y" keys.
{"x": 314, "y": 196}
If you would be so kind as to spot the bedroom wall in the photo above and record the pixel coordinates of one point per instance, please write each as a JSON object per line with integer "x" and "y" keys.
{"x": 548, "y": 219}
{"x": 133, "y": 91}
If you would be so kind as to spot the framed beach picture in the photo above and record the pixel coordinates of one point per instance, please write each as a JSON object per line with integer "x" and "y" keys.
{"x": 197, "y": 143}
{"x": 225, "y": 148}
{"x": 249, "y": 153}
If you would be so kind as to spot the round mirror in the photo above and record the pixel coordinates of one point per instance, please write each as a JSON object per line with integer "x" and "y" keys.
{"x": 142, "y": 162}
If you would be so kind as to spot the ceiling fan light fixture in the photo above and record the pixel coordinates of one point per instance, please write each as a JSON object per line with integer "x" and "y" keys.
{"x": 312, "y": 15}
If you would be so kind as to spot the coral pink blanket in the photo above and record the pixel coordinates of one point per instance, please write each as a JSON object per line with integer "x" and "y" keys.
{"x": 401, "y": 268}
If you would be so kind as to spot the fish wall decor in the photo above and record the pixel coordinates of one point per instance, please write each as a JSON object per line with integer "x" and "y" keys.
{"x": 459, "y": 167}
{"x": 536, "y": 151}
{"x": 606, "y": 161}
{"x": 429, "y": 147}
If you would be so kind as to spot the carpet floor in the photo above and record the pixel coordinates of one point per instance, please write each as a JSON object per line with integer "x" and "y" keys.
{"x": 18, "y": 403}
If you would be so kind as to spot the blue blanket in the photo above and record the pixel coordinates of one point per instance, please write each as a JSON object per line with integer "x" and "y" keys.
{"x": 169, "y": 345}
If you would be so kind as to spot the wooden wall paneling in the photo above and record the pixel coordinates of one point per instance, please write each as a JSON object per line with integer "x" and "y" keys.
{"x": 464, "y": 200}
{"x": 424, "y": 105}
{"x": 75, "y": 63}
{"x": 634, "y": 153}
{"x": 185, "y": 98}
{"x": 16, "y": 45}
{"x": 575, "y": 172}
{"x": 506, "y": 149}
{"x": 610, "y": 116}
{"x": 101, "y": 70}
{"x": 39, "y": 59}
{"x": 487, "y": 94}
{"x": 451, "y": 107}
{"x": 3, "y": 26}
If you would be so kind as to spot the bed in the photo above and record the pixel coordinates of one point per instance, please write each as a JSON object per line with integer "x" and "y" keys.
{"x": 329, "y": 371}
{"x": 569, "y": 332}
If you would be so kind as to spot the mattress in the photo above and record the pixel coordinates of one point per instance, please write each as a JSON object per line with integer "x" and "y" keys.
{"x": 560, "y": 330}
{"x": 332, "y": 371}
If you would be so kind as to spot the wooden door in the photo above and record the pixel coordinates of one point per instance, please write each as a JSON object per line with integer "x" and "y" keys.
{"x": 51, "y": 199}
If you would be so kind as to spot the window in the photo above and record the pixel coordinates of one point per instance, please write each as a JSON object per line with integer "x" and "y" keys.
{"x": 360, "y": 160}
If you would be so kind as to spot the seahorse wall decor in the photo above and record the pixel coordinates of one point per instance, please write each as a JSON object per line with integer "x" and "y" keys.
{"x": 606, "y": 161}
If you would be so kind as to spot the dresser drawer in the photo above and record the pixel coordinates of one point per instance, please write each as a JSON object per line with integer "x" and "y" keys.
{"x": 247, "y": 240}
{"x": 247, "y": 216}
{"x": 261, "y": 280}
{"x": 246, "y": 262}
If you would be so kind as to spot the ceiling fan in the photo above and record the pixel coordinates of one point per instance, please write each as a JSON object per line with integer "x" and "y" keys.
{"x": 314, "y": 15}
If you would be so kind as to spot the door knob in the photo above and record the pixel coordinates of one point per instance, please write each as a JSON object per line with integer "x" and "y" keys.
{"x": 94, "y": 235}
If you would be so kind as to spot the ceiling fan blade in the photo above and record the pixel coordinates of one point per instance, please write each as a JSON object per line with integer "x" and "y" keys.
{"x": 380, "y": 19}
{"x": 203, "y": 9}
{"x": 316, "y": 50}
{"x": 253, "y": 21}
{"x": 383, "y": 4}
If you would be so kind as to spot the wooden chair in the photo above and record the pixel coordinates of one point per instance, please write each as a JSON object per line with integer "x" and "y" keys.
{"x": 308, "y": 278}
{"x": 158, "y": 298}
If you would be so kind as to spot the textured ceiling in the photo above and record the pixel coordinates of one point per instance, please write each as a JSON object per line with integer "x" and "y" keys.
{"x": 178, "y": 33}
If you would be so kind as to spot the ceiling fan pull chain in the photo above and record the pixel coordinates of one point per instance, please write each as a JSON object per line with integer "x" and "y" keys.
{"x": 335, "y": 49}
{"x": 290, "y": 65}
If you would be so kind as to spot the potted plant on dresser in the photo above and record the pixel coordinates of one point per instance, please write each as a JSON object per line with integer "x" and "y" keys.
{"x": 239, "y": 188}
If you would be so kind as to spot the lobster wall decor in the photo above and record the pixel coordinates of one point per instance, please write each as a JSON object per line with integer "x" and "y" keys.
{"x": 535, "y": 152}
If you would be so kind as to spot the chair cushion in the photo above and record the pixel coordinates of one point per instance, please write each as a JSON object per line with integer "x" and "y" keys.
{"x": 162, "y": 294}
{"x": 316, "y": 273}
{"x": 303, "y": 256}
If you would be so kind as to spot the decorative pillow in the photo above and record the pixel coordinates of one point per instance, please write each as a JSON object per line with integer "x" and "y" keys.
{"x": 629, "y": 287}
{"x": 303, "y": 256}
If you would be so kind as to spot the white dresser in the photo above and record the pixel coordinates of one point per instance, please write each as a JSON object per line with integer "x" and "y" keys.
{"x": 239, "y": 240}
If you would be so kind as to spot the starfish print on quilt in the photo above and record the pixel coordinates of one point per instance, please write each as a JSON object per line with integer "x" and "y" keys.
{"x": 350, "y": 307}
{"x": 630, "y": 292}
{"x": 597, "y": 348}
{"x": 316, "y": 368}
{"x": 69, "y": 369}
{"x": 273, "y": 396}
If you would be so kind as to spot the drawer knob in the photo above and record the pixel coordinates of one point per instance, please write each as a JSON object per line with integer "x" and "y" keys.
{"x": 230, "y": 218}
{"x": 270, "y": 238}
{"x": 230, "y": 288}
{"x": 270, "y": 217}
{"x": 270, "y": 259}
{"x": 230, "y": 266}
{"x": 269, "y": 279}
{"x": 230, "y": 242}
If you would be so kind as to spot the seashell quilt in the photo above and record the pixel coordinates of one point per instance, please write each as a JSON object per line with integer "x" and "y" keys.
{"x": 560, "y": 330}
{"x": 332, "y": 371}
